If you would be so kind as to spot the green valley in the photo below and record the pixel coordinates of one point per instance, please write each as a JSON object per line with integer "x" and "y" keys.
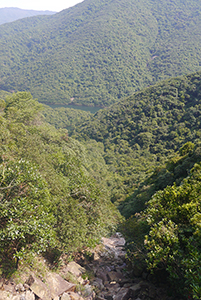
{"x": 69, "y": 177}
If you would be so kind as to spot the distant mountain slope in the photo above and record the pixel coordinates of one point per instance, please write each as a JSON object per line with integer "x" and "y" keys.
{"x": 10, "y": 14}
{"x": 159, "y": 118}
{"x": 100, "y": 51}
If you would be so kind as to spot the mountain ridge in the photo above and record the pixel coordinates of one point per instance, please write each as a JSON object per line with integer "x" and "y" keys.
{"x": 11, "y": 14}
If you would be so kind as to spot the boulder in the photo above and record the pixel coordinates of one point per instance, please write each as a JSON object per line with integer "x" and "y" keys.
{"x": 19, "y": 287}
{"x": 102, "y": 275}
{"x": 134, "y": 290}
{"x": 57, "y": 285}
{"x": 115, "y": 276}
{"x": 123, "y": 294}
{"x": 39, "y": 288}
{"x": 75, "y": 296}
{"x": 29, "y": 295}
{"x": 98, "y": 283}
{"x": 53, "y": 287}
{"x": 65, "y": 296}
{"x": 74, "y": 269}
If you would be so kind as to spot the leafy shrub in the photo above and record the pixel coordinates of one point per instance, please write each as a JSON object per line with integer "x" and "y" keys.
{"x": 25, "y": 216}
{"x": 173, "y": 242}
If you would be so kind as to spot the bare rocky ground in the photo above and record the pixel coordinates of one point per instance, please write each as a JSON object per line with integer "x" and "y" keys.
{"x": 104, "y": 277}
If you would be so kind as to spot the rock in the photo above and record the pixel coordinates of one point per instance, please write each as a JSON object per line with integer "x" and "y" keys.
{"x": 57, "y": 285}
{"x": 88, "y": 291}
{"x": 134, "y": 290}
{"x": 26, "y": 286}
{"x": 29, "y": 295}
{"x": 5, "y": 295}
{"x": 91, "y": 297}
{"x": 19, "y": 287}
{"x": 115, "y": 276}
{"x": 65, "y": 296}
{"x": 17, "y": 297}
{"x": 102, "y": 275}
{"x": 75, "y": 296}
{"x": 123, "y": 294}
{"x": 99, "y": 298}
{"x": 10, "y": 288}
{"x": 95, "y": 256}
{"x": 98, "y": 283}
{"x": 152, "y": 292}
{"x": 81, "y": 280}
{"x": 39, "y": 288}
{"x": 108, "y": 297}
{"x": 74, "y": 269}
{"x": 1, "y": 283}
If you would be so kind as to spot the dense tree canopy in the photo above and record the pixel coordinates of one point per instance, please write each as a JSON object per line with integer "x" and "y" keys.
{"x": 100, "y": 51}
{"x": 50, "y": 196}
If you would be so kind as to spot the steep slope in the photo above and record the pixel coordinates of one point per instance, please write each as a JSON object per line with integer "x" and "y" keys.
{"x": 51, "y": 196}
{"x": 10, "y": 14}
{"x": 140, "y": 132}
{"x": 100, "y": 51}
{"x": 165, "y": 236}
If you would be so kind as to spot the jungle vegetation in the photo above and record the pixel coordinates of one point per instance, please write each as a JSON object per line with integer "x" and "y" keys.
{"x": 51, "y": 197}
{"x": 98, "y": 52}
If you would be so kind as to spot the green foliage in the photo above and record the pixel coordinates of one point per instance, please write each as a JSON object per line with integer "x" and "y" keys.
{"x": 164, "y": 230}
{"x": 67, "y": 118}
{"x": 52, "y": 197}
{"x": 100, "y": 51}
{"x": 186, "y": 148}
{"x": 25, "y": 217}
{"x": 173, "y": 242}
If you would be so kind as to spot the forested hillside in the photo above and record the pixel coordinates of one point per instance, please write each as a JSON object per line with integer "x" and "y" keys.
{"x": 10, "y": 14}
{"x": 53, "y": 194}
{"x": 164, "y": 237}
{"x": 141, "y": 131}
{"x": 100, "y": 51}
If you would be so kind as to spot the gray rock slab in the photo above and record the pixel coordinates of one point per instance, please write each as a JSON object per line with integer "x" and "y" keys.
{"x": 29, "y": 295}
{"x": 102, "y": 275}
{"x": 65, "y": 296}
{"x": 57, "y": 285}
{"x": 115, "y": 276}
{"x": 75, "y": 296}
{"x": 39, "y": 288}
{"x": 134, "y": 290}
{"x": 123, "y": 294}
{"x": 74, "y": 269}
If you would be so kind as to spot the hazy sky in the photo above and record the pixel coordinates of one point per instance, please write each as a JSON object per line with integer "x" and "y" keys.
{"x": 54, "y": 5}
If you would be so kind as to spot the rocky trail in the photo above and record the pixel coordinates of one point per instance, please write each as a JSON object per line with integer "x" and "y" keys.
{"x": 104, "y": 276}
